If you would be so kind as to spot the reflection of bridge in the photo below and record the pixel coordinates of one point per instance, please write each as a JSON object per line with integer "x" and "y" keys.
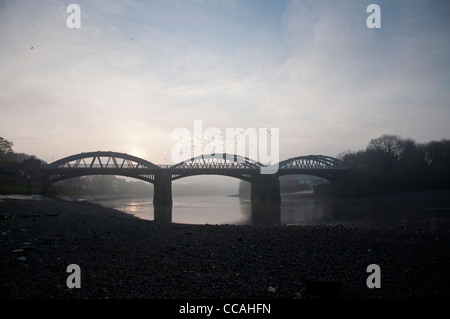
{"x": 264, "y": 187}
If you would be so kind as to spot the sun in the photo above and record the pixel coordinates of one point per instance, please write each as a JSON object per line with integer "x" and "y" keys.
{"x": 135, "y": 152}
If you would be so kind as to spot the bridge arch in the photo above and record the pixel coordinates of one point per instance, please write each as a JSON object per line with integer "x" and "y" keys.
{"x": 100, "y": 163}
{"x": 312, "y": 162}
{"x": 222, "y": 160}
{"x": 214, "y": 164}
{"x": 98, "y": 160}
{"x": 326, "y": 167}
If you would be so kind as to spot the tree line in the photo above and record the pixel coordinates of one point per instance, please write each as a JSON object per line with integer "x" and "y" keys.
{"x": 391, "y": 162}
{"x": 7, "y": 155}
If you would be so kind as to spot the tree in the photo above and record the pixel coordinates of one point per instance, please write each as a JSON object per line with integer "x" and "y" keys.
{"x": 6, "y": 152}
{"x": 437, "y": 159}
{"x": 391, "y": 145}
{"x": 5, "y": 146}
{"x": 393, "y": 162}
{"x": 388, "y": 149}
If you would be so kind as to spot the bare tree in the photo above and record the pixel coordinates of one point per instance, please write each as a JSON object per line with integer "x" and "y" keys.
{"x": 391, "y": 145}
{"x": 5, "y": 146}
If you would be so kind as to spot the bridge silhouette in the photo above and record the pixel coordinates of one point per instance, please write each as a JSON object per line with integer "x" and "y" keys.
{"x": 264, "y": 187}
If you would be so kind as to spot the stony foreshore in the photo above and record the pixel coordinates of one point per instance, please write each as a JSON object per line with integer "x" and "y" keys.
{"x": 121, "y": 256}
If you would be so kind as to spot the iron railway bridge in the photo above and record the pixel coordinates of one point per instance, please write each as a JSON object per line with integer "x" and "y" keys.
{"x": 264, "y": 187}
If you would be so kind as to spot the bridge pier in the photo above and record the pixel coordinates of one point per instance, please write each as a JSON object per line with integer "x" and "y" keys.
{"x": 162, "y": 194}
{"x": 265, "y": 188}
{"x": 163, "y": 213}
{"x": 45, "y": 188}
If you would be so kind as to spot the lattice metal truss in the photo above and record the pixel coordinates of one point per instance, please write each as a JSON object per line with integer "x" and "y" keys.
{"x": 218, "y": 161}
{"x": 93, "y": 163}
{"x": 312, "y": 162}
{"x": 102, "y": 160}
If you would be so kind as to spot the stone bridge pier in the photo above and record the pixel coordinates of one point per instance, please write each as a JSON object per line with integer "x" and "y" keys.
{"x": 162, "y": 189}
{"x": 265, "y": 188}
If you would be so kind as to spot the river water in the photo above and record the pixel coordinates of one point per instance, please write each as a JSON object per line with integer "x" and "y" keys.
{"x": 420, "y": 209}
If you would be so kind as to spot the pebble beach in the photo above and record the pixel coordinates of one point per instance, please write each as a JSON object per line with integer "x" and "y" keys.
{"x": 123, "y": 257}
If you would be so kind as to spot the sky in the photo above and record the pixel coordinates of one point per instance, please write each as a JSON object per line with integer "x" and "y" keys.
{"x": 135, "y": 71}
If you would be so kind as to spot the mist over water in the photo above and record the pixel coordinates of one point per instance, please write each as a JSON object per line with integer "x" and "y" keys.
{"x": 423, "y": 210}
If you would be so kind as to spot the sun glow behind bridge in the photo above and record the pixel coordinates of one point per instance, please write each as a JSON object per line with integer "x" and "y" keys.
{"x": 136, "y": 152}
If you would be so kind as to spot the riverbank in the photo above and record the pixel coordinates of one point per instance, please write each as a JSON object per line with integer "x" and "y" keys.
{"x": 121, "y": 256}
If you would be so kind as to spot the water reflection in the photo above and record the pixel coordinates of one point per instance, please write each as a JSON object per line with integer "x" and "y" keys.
{"x": 253, "y": 213}
{"x": 428, "y": 211}
{"x": 265, "y": 213}
{"x": 307, "y": 211}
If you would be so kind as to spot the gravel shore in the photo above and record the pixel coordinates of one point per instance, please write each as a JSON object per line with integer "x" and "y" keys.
{"x": 121, "y": 257}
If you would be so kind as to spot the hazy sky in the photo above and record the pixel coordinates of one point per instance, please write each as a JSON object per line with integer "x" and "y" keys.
{"x": 137, "y": 70}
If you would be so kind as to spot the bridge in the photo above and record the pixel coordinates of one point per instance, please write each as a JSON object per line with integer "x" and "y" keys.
{"x": 264, "y": 187}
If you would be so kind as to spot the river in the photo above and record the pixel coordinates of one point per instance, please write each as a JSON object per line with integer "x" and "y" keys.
{"x": 416, "y": 209}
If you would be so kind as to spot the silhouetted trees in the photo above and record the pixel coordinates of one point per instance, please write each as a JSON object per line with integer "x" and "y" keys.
{"x": 391, "y": 162}
{"x": 437, "y": 160}
{"x": 6, "y": 151}
{"x": 7, "y": 155}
